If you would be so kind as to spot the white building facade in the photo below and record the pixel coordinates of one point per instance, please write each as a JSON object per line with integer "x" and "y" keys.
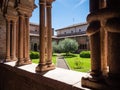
{"x": 76, "y": 29}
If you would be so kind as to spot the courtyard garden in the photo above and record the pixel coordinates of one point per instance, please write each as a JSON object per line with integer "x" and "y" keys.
{"x": 77, "y": 63}
{"x": 74, "y": 61}
{"x": 35, "y": 57}
{"x": 66, "y": 48}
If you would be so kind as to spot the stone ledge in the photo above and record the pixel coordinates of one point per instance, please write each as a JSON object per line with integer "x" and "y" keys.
{"x": 56, "y": 79}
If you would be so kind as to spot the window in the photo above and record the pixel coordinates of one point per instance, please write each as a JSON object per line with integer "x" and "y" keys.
{"x": 79, "y": 30}
{"x": 64, "y": 32}
{"x": 71, "y": 31}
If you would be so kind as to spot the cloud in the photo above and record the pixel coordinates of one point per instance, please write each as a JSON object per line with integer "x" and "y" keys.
{"x": 80, "y": 3}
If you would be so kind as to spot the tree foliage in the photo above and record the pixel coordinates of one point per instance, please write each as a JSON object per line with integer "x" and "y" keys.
{"x": 68, "y": 46}
{"x": 54, "y": 47}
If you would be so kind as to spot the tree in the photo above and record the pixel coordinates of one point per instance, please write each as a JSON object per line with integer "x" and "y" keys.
{"x": 54, "y": 47}
{"x": 68, "y": 46}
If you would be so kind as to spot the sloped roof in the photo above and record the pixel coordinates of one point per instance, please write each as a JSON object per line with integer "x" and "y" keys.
{"x": 74, "y": 25}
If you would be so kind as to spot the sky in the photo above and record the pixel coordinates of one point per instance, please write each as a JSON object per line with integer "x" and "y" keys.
{"x": 65, "y": 13}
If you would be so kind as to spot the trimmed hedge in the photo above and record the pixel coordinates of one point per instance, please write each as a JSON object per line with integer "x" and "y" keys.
{"x": 85, "y": 54}
{"x": 34, "y": 55}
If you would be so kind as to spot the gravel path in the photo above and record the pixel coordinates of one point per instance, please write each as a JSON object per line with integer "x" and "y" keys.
{"x": 61, "y": 62}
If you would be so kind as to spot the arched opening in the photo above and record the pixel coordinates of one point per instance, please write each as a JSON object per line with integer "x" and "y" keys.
{"x": 71, "y": 13}
{"x": 35, "y": 47}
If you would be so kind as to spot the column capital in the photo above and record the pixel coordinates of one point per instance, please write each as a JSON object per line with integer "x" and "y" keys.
{"x": 21, "y": 16}
{"x": 48, "y": 5}
{"x": 28, "y": 15}
{"x": 8, "y": 19}
{"x": 14, "y": 22}
{"x": 20, "y": 13}
{"x": 42, "y": 2}
{"x": 49, "y": 2}
{"x": 93, "y": 28}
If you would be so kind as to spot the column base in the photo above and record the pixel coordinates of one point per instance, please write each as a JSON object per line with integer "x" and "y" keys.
{"x": 27, "y": 61}
{"x": 13, "y": 59}
{"x": 50, "y": 66}
{"x": 20, "y": 62}
{"x": 93, "y": 84}
{"x": 8, "y": 59}
{"x": 41, "y": 68}
{"x": 113, "y": 80}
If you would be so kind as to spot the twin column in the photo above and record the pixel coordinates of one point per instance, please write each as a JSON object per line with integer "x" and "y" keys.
{"x": 104, "y": 33}
{"x": 45, "y": 63}
{"x": 11, "y": 39}
{"x": 23, "y": 40}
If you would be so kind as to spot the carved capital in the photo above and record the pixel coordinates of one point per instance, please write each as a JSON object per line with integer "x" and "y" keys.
{"x": 113, "y": 24}
{"x": 42, "y": 2}
{"x": 93, "y": 28}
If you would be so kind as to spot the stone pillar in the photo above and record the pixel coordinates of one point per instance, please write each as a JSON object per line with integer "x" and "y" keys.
{"x": 104, "y": 48}
{"x": 42, "y": 63}
{"x": 94, "y": 5}
{"x": 94, "y": 33}
{"x": 113, "y": 28}
{"x": 20, "y": 43}
{"x": 113, "y": 4}
{"x": 13, "y": 52}
{"x": 49, "y": 34}
{"x": 17, "y": 28}
{"x": 27, "y": 41}
{"x": 8, "y": 40}
{"x": 102, "y": 4}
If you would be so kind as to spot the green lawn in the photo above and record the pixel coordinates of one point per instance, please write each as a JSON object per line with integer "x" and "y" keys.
{"x": 77, "y": 63}
{"x": 53, "y": 59}
{"x": 74, "y": 61}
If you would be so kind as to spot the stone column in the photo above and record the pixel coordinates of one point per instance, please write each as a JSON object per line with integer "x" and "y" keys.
{"x": 102, "y": 4}
{"x": 94, "y": 33}
{"x": 104, "y": 47}
{"x": 113, "y": 4}
{"x": 42, "y": 63}
{"x": 13, "y": 52}
{"x": 94, "y": 5}
{"x": 49, "y": 34}
{"x": 113, "y": 28}
{"x": 17, "y": 28}
{"x": 8, "y": 40}
{"x": 20, "y": 43}
{"x": 27, "y": 41}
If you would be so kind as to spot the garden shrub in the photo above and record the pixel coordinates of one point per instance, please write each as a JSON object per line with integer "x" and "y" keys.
{"x": 85, "y": 54}
{"x": 34, "y": 55}
{"x": 78, "y": 64}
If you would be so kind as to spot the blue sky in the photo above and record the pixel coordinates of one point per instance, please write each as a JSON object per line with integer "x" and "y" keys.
{"x": 65, "y": 12}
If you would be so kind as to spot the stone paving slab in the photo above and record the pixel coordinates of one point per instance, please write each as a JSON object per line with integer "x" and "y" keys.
{"x": 61, "y": 63}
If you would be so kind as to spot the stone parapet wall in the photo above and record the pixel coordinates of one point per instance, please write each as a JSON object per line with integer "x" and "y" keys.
{"x": 25, "y": 78}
